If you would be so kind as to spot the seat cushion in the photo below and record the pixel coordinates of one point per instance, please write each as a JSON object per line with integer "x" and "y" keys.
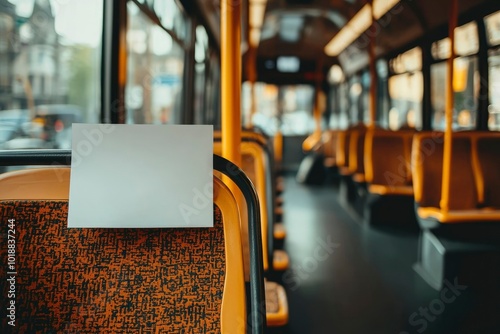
{"x": 112, "y": 280}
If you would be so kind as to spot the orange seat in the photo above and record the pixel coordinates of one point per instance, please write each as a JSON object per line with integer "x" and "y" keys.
{"x": 255, "y": 163}
{"x": 474, "y": 179}
{"x": 387, "y": 162}
{"x": 350, "y": 151}
{"x": 329, "y": 140}
{"x": 357, "y": 153}
{"x": 119, "y": 280}
{"x": 126, "y": 280}
{"x": 389, "y": 199}
{"x": 342, "y": 151}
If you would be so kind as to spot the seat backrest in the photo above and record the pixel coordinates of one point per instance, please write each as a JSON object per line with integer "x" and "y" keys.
{"x": 342, "y": 149}
{"x": 427, "y": 170}
{"x": 119, "y": 280}
{"x": 329, "y": 143}
{"x": 357, "y": 150}
{"x": 463, "y": 190}
{"x": 254, "y": 164}
{"x": 488, "y": 155}
{"x": 387, "y": 157}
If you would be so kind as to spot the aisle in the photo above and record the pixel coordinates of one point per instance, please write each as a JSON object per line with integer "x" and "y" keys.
{"x": 346, "y": 278}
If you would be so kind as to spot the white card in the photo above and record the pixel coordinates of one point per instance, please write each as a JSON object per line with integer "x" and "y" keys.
{"x": 141, "y": 176}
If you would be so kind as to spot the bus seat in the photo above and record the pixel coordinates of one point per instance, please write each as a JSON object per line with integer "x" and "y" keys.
{"x": 35, "y": 184}
{"x": 329, "y": 139}
{"x": 342, "y": 151}
{"x": 463, "y": 193}
{"x": 474, "y": 175}
{"x": 280, "y": 186}
{"x": 254, "y": 159}
{"x": 278, "y": 211}
{"x": 388, "y": 178}
{"x": 254, "y": 165}
{"x": 281, "y": 261}
{"x": 313, "y": 142}
{"x": 276, "y": 305}
{"x": 249, "y": 164}
{"x": 488, "y": 148}
{"x": 277, "y": 146}
{"x": 356, "y": 153}
{"x": 427, "y": 168}
{"x": 119, "y": 280}
{"x": 279, "y": 231}
{"x": 276, "y": 185}
{"x": 387, "y": 162}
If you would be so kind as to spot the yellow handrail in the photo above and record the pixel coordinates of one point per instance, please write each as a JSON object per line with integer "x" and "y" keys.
{"x": 373, "y": 71}
{"x": 447, "y": 151}
{"x": 252, "y": 78}
{"x": 231, "y": 80}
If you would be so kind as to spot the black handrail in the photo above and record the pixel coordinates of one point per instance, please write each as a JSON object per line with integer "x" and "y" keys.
{"x": 270, "y": 190}
{"x": 257, "y": 296}
{"x": 226, "y": 167}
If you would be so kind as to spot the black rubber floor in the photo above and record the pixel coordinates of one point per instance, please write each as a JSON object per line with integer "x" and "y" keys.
{"x": 349, "y": 278}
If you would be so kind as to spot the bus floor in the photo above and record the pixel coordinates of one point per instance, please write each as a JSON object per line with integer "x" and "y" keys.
{"x": 348, "y": 278}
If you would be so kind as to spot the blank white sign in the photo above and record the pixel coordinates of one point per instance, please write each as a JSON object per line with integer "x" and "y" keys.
{"x": 141, "y": 176}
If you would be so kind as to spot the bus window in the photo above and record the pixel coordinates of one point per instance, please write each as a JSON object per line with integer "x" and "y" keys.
{"x": 155, "y": 68}
{"x": 337, "y": 99}
{"x": 341, "y": 120}
{"x": 494, "y": 91}
{"x": 406, "y": 93}
{"x": 201, "y": 67}
{"x": 172, "y": 17}
{"x": 466, "y": 43}
{"x": 298, "y": 103}
{"x": 383, "y": 103}
{"x": 288, "y": 108}
{"x": 212, "y": 113}
{"x": 50, "y": 70}
{"x": 406, "y": 90}
{"x": 339, "y": 106}
{"x": 364, "y": 110}
{"x": 492, "y": 23}
{"x": 493, "y": 33}
{"x": 266, "y": 98}
{"x": 466, "y": 79}
{"x": 465, "y": 86}
{"x": 355, "y": 100}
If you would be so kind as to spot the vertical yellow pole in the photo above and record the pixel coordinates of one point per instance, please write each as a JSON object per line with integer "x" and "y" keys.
{"x": 231, "y": 80}
{"x": 318, "y": 101}
{"x": 317, "y": 106}
{"x": 373, "y": 72}
{"x": 252, "y": 78}
{"x": 278, "y": 137}
{"x": 445, "y": 188}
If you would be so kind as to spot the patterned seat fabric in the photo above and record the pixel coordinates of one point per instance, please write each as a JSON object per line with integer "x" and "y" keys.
{"x": 112, "y": 280}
